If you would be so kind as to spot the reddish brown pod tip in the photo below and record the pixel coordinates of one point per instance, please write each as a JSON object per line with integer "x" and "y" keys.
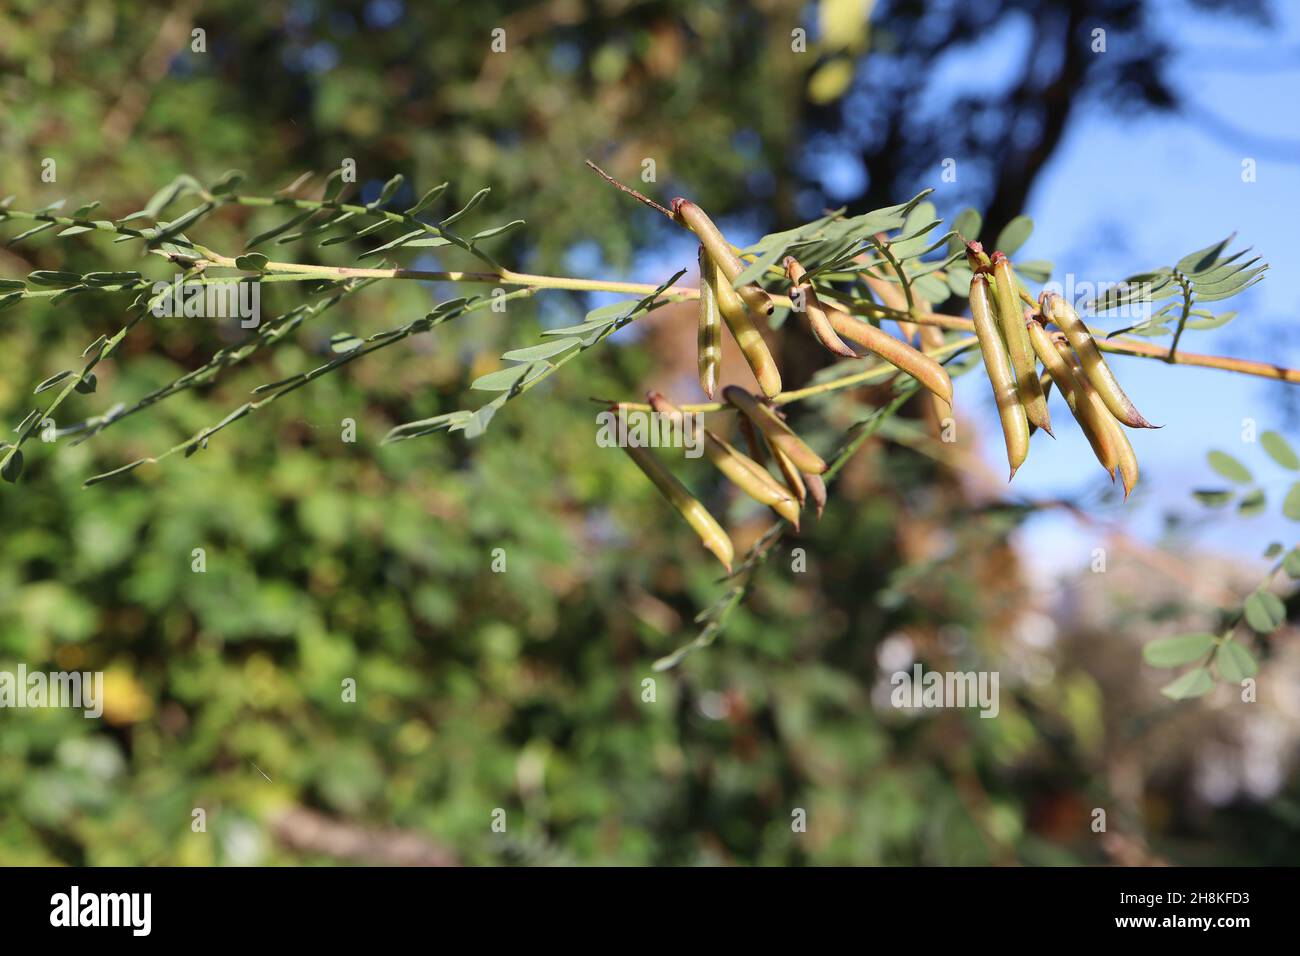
{"x": 976, "y": 257}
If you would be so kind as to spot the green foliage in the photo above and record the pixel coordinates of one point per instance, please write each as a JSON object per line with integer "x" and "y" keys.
{"x": 1254, "y": 499}
{"x": 328, "y": 560}
{"x": 1207, "y": 275}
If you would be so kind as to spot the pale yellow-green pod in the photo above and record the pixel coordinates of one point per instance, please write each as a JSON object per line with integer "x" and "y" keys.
{"x": 896, "y": 352}
{"x": 1011, "y": 320}
{"x": 750, "y": 477}
{"x": 1128, "y": 463}
{"x": 729, "y": 265}
{"x": 976, "y": 257}
{"x": 1085, "y": 405}
{"x": 757, "y": 450}
{"x": 778, "y": 433}
{"x": 697, "y": 516}
{"x": 709, "y": 344}
{"x": 745, "y": 473}
{"x": 892, "y": 296}
{"x": 1015, "y": 426}
{"x": 803, "y": 293}
{"x": 792, "y": 475}
{"x": 1094, "y": 364}
{"x": 932, "y": 339}
{"x": 747, "y": 336}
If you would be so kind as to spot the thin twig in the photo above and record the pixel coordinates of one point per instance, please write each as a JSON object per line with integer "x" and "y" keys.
{"x": 629, "y": 190}
{"x": 1182, "y": 319}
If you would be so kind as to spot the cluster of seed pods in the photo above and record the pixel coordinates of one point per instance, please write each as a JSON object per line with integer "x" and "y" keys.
{"x": 1013, "y": 340}
{"x": 766, "y": 434}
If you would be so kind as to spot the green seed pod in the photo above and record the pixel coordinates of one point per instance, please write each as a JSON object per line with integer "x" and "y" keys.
{"x": 1082, "y": 398}
{"x": 1126, "y": 462}
{"x": 750, "y": 477}
{"x": 741, "y": 470}
{"x": 1094, "y": 365}
{"x": 812, "y": 309}
{"x": 931, "y": 339}
{"x": 892, "y": 296}
{"x": 1044, "y": 380}
{"x": 729, "y": 265}
{"x": 696, "y": 515}
{"x": 747, "y": 336}
{"x": 1011, "y": 321}
{"x": 977, "y": 257}
{"x": 894, "y": 351}
{"x": 757, "y": 450}
{"x": 1015, "y": 427}
{"x": 710, "y": 334}
{"x": 792, "y": 475}
{"x": 778, "y": 433}
{"x": 661, "y": 406}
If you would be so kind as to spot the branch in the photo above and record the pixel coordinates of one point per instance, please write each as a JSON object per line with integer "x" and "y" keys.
{"x": 640, "y": 197}
{"x": 955, "y": 323}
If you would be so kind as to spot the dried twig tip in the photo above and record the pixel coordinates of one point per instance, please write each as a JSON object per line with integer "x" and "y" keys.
{"x": 641, "y": 197}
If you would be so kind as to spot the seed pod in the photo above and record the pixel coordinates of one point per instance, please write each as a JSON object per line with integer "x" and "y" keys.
{"x": 661, "y": 406}
{"x": 892, "y": 296}
{"x": 931, "y": 339}
{"x": 746, "y": 334}
{"x": 812, "y": 309}
{"x": 1045, "y": 381}
{"x": 1128, "y": 463}
{"x": 1018, "y": 348}
{"x": 696, "y": 515}
{"x": 1015, "y": 427}
{"x": 1090, "y": 357}
{"x": 757, "y": 450}
{"x": 976, "y": 256}
{"x": 710, "y": 334}
{"x": 741, "y": 470}
{"x": 729, "y": 265}
{"x": 751, "y": 478}
{"x": 1082, "y": 398}
{"x": 817, "y": 492}
{"x": 778, "y": 433}
{"x": 894, "y": 351}
{"x": 792, "y": 475}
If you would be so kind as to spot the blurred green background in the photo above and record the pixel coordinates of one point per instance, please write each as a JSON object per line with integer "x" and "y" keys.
{"x": 523, "y": 690}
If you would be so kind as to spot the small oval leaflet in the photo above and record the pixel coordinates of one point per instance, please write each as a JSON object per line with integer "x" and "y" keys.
{"x": 1291, "y": 564}
{"x": 1265, "y": 612}
{"x": 1291, "y": 504}
{"x": 1173, "y": 651}
{"x": 1229, "y": 467}
{"x": 252, "y": 261}
{"x": 1279, "y": 450}
{"x": 1014, "y": 234}
{"x": 1194, "y": 683}
{"x": 1235, "y": 663}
